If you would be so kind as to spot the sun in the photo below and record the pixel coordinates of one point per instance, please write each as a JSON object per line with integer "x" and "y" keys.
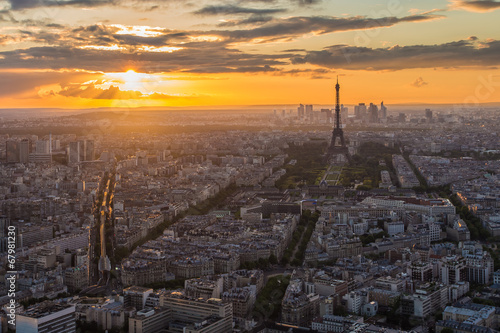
{"x": 146, "y": 83}
{"x": 133, "y": 80}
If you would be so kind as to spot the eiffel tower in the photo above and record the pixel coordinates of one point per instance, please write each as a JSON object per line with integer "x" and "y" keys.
{"x": 337, "y": 145}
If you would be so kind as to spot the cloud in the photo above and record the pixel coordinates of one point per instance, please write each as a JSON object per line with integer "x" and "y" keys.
{"x": 17, "y": 5}
{"x": 253, "y": 19}
{"x": 294, "y": 27}
{"x": 107, "y": 48}
{"x": 268, "y": 30}
{"x": 91, "y": 91}
{"x": 476, "y": 5}
{"x": 225, "y": 69}
{"x": 464, "y": 53}
{"x": 301, "y": 2}
{"x": 202, "y": 57}
{"x": 15, "y": 83}
{"x": 419, "y": 82}
{"x": 27, "y": 4}
{"x": 231, "y": 9}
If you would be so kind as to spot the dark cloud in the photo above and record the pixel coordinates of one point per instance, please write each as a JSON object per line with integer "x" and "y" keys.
{"x": 101, "y": 47}
{"x": 268, "y": 30}
{"x": 419, "y": 82}
{"x": 27, "y": 4}
{"x": 477, "y": 5}
{"x": 92, "y": 92}
{"x": 15, "y": 83}
{"x": 455, "y": 54}
{"x": 307, "y": 2}
{"x": 231, "y": 9}
{"x": 295, "y": 2}
{"x": 204, "y": 57}
{"x": 136, "y": 4}
{"x": 253, "y": 19}
{"x": 293, "y": 27}
{"x": 224, "y": 69}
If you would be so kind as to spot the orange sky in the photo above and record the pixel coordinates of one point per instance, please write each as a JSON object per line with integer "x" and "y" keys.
{"x": 83, "y": 54}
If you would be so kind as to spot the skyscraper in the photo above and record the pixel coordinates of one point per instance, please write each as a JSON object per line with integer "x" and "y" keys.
{"x": 360, "y": 111}
{"x": 300, "y": 111}
{"x": 82, "y": 149}
{"x": 89, "y": 150}
{"x": 24, "y": 151}
{"x": 373, "y": 112}
{"x": 428, "y": 115}
{"x": 383, "y": 111}
{"x": 309, "y": 112}
{"x": 42, "y": 147}
{"x": 74, "y": 152}
{"x": 13, "y": 152}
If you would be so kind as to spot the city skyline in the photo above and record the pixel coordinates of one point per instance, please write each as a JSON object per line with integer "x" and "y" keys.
{"x": 88, "y": 54}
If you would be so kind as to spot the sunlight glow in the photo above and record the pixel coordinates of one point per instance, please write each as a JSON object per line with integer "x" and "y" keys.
{"x": 167, "y": 49}
{"x": 142, "y": 48}
{"x": 138, "y": 30}
{"x": 204, "y": 38}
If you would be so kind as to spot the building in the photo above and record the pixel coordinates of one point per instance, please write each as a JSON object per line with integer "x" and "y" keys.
{"x": 47, "y": 317}
{"x": 457, "y": 327}
{"x": 373, "y": 113}
{"x": 390, "y": 284}
{"x": 383, "y": 111}
{"x": 394, "y": 228}
{"x": 142, "y": 272}
{"x": 355, "y": 300}
{"x": 496, "y": 277}
{"x": 384, "y": 297}
{"x": 76, "y": 278}
{"x": 242, "y": 299}
{"x": 33, "y": 235}
{"x": 336, "y": 324}
{"x": 481, "y": 315}
{"x": 204, "y": 288}
{"x": 74, "y": 152}
{"x": 421, "y": 271}
{"x": 416, "y": 305}
{"x": 89, "y": 150}
{"x": 192, "y": 315}
{"x": 12, "y": 151}
{"x": 453, "y": 270}
{"x": 369, "y": 309}
{"x": 298, "y": 307}
{"x": 42, "y": 147}
{"x": 192, "y": 267}
{"x": 136, "y": 296}
{"x": 479, "y": 265}
{"x": 24, "y": 151}
{"x": 149, "y": 320}
{"x": 323, "y": 189}
{"x": 325, "y": 285}
{"x": 428, "y": 299}
{"x": 300, "y": 111}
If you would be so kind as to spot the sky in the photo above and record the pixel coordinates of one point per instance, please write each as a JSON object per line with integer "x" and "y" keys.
{"x": 172, "y": 53}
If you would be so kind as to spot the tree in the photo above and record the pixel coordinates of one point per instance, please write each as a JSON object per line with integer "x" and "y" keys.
{"x": 273, "y": 260}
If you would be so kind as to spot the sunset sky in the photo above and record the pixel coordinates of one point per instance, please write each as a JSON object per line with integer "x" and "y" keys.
{"x": 129, "y": 53}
